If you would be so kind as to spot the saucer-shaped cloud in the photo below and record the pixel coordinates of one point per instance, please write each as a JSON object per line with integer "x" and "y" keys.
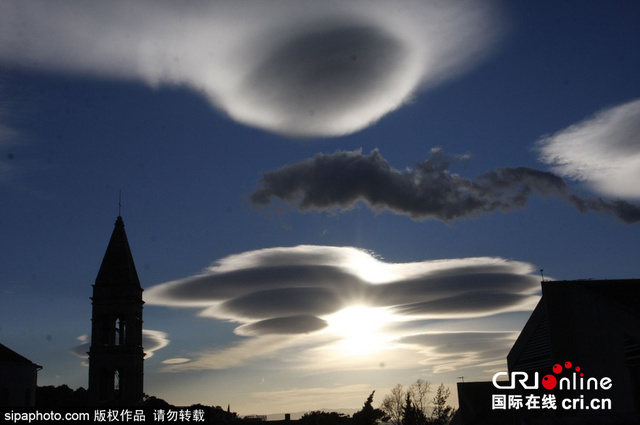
{"x": 291, "y": 290}
{"x": 300, "y": 68}
{"x": 176, "y": 360}
{"x": 313, "y": 296}
{"x": 280, "y": 325}
{"x": 603, "y": 151}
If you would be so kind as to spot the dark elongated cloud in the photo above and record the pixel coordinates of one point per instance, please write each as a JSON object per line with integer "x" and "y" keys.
{"x": 283, "y": 325}
{"x": 327, "y": 293}
{"x": 317, "y": 301}
{"x": 241, "y": 281}
{"x": 299, "y": 67}
{"x": 340, "y": 180}
{"x": 484, "y": 301}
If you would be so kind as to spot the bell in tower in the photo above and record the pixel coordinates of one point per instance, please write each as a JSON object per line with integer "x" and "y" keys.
{"x": 116, "y": 355}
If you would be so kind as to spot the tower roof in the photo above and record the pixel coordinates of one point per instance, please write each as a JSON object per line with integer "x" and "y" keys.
{"x": 117, "y": 267}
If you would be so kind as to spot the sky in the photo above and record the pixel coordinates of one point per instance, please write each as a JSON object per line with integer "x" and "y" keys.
{"x": 322, "y": 198}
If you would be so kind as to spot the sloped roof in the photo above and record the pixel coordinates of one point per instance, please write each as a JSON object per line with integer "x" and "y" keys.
{"x": 7, "y": 355}
{"x": 118, "y": 268}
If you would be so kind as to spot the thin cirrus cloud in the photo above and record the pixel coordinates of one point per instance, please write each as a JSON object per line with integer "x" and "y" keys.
{"x": 603, "y": 151}
{"x": 293, "y": 297}
{"x": 298, "y": 68}
{"x": 450, "y": 350}
{"x": 338, "y": 181}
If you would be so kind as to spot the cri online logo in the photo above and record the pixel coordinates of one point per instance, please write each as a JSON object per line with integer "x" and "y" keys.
{"x": 574, "y": 382}
{"x": 550, "y": 381}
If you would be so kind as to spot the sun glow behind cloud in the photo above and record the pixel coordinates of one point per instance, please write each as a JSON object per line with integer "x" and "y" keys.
{"x": 360, "y": 329}
{"x": 334, "y": 307}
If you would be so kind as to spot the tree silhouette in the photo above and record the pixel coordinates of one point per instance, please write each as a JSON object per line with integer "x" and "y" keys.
{"x": 419, "y": 391}
{"x": 412, "y": 406}
{"x": 411, "y": 414}
{"x": 61, "y": 396}
{"x": 318, "y": 417}
{"x": 393, "y": 404}
{"x": 442, "y": 412}
{"x": 368, "y": 415}
{"x": 153, "y": 401}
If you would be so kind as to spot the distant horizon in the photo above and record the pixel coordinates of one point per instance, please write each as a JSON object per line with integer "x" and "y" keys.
{"x": 270, "y": 416}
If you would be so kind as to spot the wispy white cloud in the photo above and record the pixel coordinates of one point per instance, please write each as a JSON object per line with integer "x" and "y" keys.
{"x": 301, "y": 68}
{"x": 176, "y": 360}
{"x": 454, "y": 350}
{"x": 151, "y": 341}
{"x": 233, "y": 355}
{"x": 602, "y": 151}
{"x": 337, "y": 305}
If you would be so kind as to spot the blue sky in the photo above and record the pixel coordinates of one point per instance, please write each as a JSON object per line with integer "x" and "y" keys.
{"x": 321, "y": 199}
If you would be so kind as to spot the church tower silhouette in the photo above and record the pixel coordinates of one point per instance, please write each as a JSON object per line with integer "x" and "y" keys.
{"x": 116, "y": 355}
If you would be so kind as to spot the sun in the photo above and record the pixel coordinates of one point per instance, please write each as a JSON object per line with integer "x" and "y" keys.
{"x": 359, "y": 329}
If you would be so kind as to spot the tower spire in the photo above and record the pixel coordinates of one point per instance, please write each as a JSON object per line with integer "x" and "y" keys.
{"x": 116, "y": 356}
{"x": 118, "y": 268}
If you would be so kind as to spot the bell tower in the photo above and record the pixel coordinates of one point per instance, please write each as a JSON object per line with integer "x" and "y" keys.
{"x": 116, "y": 356}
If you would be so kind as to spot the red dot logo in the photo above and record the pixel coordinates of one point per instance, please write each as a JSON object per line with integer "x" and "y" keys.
{"x": 549, "y": 381}
{"x": 567, "y": 365}
{"x": 556, "y": 369}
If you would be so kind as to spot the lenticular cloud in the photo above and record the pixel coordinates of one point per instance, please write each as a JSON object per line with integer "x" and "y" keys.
{"x": 291, "y": 290}
{"x": 287, "y": 297}
{"x": 298, "y": 68}
{"x": 603, "y": 151}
